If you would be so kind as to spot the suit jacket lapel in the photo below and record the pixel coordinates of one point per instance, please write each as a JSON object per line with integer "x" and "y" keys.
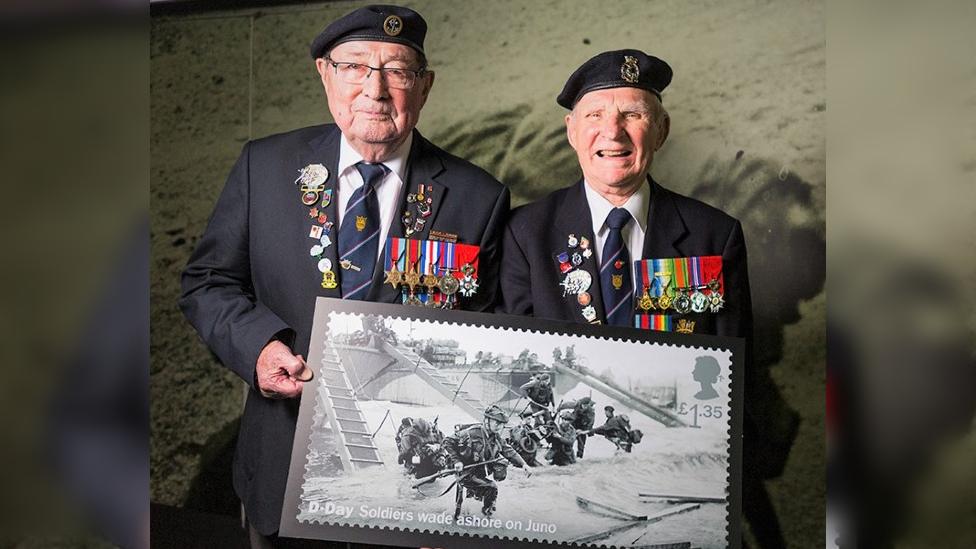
{"x": 574, "y": 218}
{"x": 422, "y": 168}
{"x": 324, "y": 149}
{"x": 665, "y": 227}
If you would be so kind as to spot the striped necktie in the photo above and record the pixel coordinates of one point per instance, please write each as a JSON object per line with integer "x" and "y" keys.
{"x": 359, "y": 233}
{"x": 615, "y": 284}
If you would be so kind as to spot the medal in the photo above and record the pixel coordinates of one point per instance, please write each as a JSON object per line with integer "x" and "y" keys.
{"x": 576, "y": 282}
{"x": 326, "y": 198}
{"x": 430, "y": 282}
{"x": 329, "y": 280}
{"x": 412, "y": 278}
{"x": 587, "y": 253}
{"x": 322, "y": 218}
{"x": 645, "y": 303}
{"x": 577, "y": 259}
{"x": 584, "y": 298}
{"x": 316, "y": 250}
{"x": 413, "y": 300}
{"x": 699, "y": 301}
{"x": 468, "y": 286}
{"x": 716, "y": 302}
{"x": 682, "y": 303}
{"x": 310, "y": 197}
{"x": 589, "y": 313}
{"x": 572, "y": 241}
{"x": 565, "y": 268}
{"x": 584, "y": 243}
{"x": 312, "y": 177}
{"x": 313, "y": 212}
{"x": 326, "y": 241}
{"x": 664, "y": 302}
{"x": 325, "y": 265}
{"x": 449, "y": 285}
{"x": 393, "y": 277}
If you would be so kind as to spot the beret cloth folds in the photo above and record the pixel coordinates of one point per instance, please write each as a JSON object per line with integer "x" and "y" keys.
{"x": 616, "y": 69}
{"x": 378, "y": 22}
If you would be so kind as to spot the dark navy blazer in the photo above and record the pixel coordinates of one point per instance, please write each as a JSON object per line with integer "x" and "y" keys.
{"x": 251, "y": 277}
{"x": 677, "y": 226}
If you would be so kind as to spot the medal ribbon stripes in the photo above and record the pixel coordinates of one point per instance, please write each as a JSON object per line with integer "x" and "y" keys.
{"x": 659, "y": 323}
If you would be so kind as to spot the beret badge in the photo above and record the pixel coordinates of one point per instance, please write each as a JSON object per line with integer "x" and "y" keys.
{"x": 629, "y": 71}
{"x": 393, "y": 25}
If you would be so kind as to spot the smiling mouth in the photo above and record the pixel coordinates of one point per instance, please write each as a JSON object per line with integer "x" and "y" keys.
{"x": 604, "y": 153}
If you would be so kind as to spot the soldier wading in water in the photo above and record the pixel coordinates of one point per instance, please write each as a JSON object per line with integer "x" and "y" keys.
{"x": 482, "y": 443}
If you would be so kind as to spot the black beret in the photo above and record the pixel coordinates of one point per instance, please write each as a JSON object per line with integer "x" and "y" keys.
{"x": 381, "y": 23}
{"x": 616, "y": 69}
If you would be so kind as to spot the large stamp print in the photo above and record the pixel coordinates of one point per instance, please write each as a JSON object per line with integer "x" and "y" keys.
{"x": 400, "y": 395}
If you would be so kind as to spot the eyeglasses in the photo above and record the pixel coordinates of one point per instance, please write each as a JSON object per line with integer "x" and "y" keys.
{"x": 357, "y": 73}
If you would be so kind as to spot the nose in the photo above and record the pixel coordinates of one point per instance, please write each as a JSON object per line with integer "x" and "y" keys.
{"x": 375, "y": 85}
{"x": 612, "y": 126}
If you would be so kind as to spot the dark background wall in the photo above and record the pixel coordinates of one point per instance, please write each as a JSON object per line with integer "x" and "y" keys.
{"x": 747, "y": 135}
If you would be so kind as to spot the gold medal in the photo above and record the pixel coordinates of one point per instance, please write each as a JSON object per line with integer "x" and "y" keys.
{"x": 664, "y": 302}
{"x": 329, "y": 280}
{"x": 412, "y": 278}
{"x": 430, "y": 281}
{"x": 645, "y": 303}
{"x": 394, "y": 277}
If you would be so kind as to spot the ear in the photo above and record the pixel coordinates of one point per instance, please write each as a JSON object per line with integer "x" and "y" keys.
{"x": 428, "y": 84}
{"x": 322, "y": 66}
{"x": 664, "y": 128}
{"x": 570, "y": 122}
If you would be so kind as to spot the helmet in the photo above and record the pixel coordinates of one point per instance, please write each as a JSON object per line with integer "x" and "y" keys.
{"x": 608, "y": 407}
{"x": 496, "y": 413}
{"x": 567, "y": 415}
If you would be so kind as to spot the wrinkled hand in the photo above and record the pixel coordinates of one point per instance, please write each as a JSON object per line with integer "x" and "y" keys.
{"x": 281, "y": 374}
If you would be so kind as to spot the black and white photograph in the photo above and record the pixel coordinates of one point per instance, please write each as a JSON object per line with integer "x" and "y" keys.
{"x": 413, "y": 423}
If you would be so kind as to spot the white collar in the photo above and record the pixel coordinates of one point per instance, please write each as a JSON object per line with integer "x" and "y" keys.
{"x": 396, "y": 163}
{"x": 600, "y": 207}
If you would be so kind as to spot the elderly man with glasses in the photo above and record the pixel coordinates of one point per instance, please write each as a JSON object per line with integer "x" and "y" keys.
{"x": 309, "y": 213}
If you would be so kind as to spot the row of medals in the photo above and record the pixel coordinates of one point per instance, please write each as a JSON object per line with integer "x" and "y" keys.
{"x": 411, "y": 279}
{"x": 684, "y": 300}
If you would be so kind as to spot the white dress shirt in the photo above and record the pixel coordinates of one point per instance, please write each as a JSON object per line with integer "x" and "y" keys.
{"x": 633, "y": 233}
{"x": 387, "y": 190}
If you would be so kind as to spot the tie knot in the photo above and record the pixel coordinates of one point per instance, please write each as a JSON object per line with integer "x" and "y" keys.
{"x": 372, "y": 173}
{"x": 618, "y": 218}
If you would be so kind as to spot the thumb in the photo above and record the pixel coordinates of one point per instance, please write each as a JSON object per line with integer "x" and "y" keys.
{"x": 303, "y": 373}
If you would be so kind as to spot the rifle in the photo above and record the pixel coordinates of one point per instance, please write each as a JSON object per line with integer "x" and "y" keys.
{"x": 446, "y": 472}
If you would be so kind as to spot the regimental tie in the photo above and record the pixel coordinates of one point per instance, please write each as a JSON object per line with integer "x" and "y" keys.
{"x": 615, "y": 281}
{"x": 359, "y": 233}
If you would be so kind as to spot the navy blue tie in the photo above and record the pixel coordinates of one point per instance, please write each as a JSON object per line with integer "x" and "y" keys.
{"x": 359, "y": 234}
{"x": 615, "y": 284}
